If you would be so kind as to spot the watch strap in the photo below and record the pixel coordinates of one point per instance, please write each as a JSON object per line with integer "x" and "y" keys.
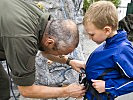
{"x": 68, "y": 60}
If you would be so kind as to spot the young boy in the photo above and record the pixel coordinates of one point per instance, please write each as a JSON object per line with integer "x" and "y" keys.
{"x": 109, "y": 69}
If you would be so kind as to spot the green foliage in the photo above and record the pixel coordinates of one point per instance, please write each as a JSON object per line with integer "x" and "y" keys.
{"x": 87, "y": 3}
{"x": 116, "y": 2}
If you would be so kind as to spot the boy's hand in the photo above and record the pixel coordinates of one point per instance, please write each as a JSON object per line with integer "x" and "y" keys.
{"x": 99, "y": 85}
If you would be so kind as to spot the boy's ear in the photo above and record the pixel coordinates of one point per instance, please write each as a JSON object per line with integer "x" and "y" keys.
{"x": 49, "y": 43}
{"x": 107, "y": 30}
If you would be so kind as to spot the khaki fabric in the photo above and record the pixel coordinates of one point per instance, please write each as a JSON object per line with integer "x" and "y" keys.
{"x": 20, "y": 25}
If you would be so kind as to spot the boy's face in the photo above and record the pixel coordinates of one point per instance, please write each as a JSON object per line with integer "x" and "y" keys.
{"x": 97, "y": 35}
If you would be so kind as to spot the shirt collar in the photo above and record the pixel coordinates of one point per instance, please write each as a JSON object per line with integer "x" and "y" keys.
{"x": 121, "y": 35}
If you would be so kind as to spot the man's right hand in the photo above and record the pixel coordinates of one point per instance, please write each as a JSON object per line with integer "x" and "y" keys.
{"x": 75, "y": 90}
{"x": 37, "y": 91}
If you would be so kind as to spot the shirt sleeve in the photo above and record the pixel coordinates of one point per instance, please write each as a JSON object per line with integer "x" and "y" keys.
{"x": 117, "y": 87}
{"x": 124, "y": 60}
{"x": 123, "y": 85}
{"x": 20, "y": 54}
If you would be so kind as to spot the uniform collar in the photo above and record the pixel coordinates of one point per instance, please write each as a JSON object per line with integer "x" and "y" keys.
{"x": 43, "y": 23}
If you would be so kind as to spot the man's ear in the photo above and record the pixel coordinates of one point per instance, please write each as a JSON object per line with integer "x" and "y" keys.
{"x": 107, "y": 30}
{"x": 49, "y": 43}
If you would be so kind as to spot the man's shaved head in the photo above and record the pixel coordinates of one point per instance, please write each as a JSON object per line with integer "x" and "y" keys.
{"x": 65, "y": 33}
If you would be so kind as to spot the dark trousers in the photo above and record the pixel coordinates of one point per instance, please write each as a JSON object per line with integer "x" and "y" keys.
{"x": 4, "y": 84}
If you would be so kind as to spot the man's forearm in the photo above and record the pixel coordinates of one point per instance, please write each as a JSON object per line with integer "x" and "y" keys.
{"x": 76, "y": 64}
{"x": 56, "y": 58}
{"x": 36, "y": 91}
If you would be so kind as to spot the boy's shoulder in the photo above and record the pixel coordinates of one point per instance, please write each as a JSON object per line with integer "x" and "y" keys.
{"x": 125, "y": 45}
{"x": 125, "y": 48}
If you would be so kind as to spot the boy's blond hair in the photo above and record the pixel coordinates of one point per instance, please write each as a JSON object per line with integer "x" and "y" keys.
{"x": 101, "y": 14}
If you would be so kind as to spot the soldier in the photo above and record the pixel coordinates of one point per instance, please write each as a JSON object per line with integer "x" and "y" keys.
{"x": 24, "y": 29}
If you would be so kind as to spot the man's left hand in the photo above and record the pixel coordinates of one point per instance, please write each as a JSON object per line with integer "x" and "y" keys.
{"x": 77, "y": 65}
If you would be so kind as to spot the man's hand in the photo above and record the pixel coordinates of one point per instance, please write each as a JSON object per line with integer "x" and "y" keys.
{"x": 75, "y": 90}
{"x": 77, "y": 65}
{"x": 99, "y": 85}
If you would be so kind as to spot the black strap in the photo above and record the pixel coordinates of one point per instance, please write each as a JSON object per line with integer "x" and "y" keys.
{"x": 93, "y": 91}
{"x": 105, "y": 73}
{"x": 120, "y": 71}
{"x": 2, "y": 55}
{"x": 89, "y": 87}
{"x": 101, "y": 78}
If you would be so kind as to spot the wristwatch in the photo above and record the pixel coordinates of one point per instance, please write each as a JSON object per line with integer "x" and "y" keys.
{"x": 68, "y": 60}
